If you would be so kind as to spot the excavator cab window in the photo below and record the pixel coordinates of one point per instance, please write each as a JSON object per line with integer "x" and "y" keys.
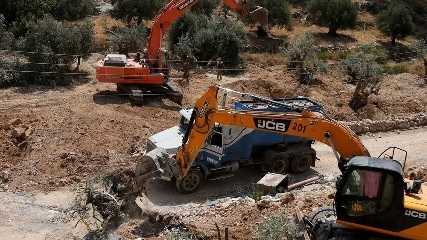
{"x": 367, "y": 192}
{"x": 215, "y": 138}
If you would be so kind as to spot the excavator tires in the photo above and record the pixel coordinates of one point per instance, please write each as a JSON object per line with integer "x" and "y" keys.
{"x": 292, "y": 159}
{"x": 302, "y": 159}
{"x": 276, "y": 162}
{"x": 191, "y": 182}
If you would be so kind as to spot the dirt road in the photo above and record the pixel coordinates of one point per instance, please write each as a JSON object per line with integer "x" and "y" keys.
{"x": 413, "y": 141}
{"x": 37, "y": 216}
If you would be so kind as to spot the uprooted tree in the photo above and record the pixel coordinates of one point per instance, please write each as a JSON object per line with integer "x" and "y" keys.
{"x": 366, "y": 74}
{"x": 302, "y": 55}
{"x": 334, "y": 14}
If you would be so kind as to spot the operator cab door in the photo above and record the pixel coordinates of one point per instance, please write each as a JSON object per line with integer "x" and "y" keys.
{"x": 213, "y": 151}
{"x": 371, "y": 197}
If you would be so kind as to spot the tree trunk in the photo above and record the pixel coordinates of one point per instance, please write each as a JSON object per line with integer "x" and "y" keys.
{"x": 393, "y": 40}
{"x": 360, "y": 97}
{"x": 332, "y": 31}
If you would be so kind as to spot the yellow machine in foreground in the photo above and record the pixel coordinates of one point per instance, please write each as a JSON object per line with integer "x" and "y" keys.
{"x": 372, "y": 199}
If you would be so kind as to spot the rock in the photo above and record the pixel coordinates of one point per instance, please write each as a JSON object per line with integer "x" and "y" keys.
{"x": 4, "y": 176}
{"x": 286, "y": 198}
{"x": 403, "y": 125}
{"x": 29, "y": 131}
{"x": 263, "y": 204}
{"x": 18, "y": 134}
{"x": 15, "y": 122}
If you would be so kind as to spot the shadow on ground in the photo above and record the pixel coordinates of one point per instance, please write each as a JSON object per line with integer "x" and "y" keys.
{"x": 108, "y": 97}
{"x": 163, "y": 193}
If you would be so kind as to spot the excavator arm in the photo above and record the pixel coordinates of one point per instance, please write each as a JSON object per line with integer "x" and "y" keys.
{"x": 177, "y": 8}
{"x": 309, "y": 125}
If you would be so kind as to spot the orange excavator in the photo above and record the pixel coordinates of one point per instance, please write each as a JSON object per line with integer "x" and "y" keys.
{"x": 373, "y": 198}
{"x": 150, "y": 75}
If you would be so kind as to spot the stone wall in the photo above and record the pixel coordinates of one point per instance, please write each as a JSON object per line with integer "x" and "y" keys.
{"x": 367, "y": 125}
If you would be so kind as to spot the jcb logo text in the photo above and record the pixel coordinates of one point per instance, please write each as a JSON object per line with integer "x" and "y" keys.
{"x": 272, "y": 124}
{"x": 415, "y": 214}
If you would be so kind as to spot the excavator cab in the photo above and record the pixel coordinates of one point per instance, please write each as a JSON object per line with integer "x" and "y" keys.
{"x": 373, "y": 197}
{"x": 370, "y": 193}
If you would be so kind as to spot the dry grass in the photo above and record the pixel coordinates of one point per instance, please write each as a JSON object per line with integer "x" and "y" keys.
{"x": 265, "y": 59}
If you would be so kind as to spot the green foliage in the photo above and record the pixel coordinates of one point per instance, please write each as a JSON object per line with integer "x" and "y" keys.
{"x": 184, "y": 48}
{"x": 334, "y": 14}
{"x": 189, "y": 25}
{"x": 396, "y": 21}
{"x": 303, "y": 57}
{"x": 6, "y": 38}
{"x": 396, "y": 68}
{"x": 48, "y": 33}
{"x": 177, "y": 234}
{"x": 209, "y": 38}
{"x": 205, "y": 7}
{"x": 18, "y": 10}
{"x": 378, "y": 52}
{"x": 74, "y": 9}
{"x": 9, "y": 65}
{"x": 19, "y": 14}
{"x": 49, "y": 39}
{"x": 361, "y": 66}
{"x": 278, "y": 10}
{"x": 277, "y": 227}
{"x": 138, "y": 10}
{"x": 127, "y": 39}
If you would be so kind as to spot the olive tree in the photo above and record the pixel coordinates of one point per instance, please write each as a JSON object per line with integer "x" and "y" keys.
{"x": 139, "y": 10}
{"x": 52, "y": 46}
{"x": 278, "y": 10}
{"x": 396, "y": 21}
{"x": 74, "y": 9}
{"x": 6, "y": 38}
{"x": 366, "y": 74}
{"x": 302, "y": 55}
{"x": 125, "y": 40}
{"x": 208, "y": 37}
{"x": 334, "y": 14}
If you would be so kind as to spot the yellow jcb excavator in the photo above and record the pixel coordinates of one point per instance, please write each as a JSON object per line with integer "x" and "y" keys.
{"x": 372, "y": 199}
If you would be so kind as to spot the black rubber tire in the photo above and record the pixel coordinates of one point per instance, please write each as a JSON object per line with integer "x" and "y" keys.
{"x": 301, "y": 163}
{"x": 276, "y": 162}
{"x": 191, "y": 182}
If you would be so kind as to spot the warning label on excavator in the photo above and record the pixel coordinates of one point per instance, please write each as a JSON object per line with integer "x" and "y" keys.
{"x": 272, "y": 124}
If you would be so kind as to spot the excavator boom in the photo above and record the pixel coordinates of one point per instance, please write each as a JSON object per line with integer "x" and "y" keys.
{"x": 310, "y": 125}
